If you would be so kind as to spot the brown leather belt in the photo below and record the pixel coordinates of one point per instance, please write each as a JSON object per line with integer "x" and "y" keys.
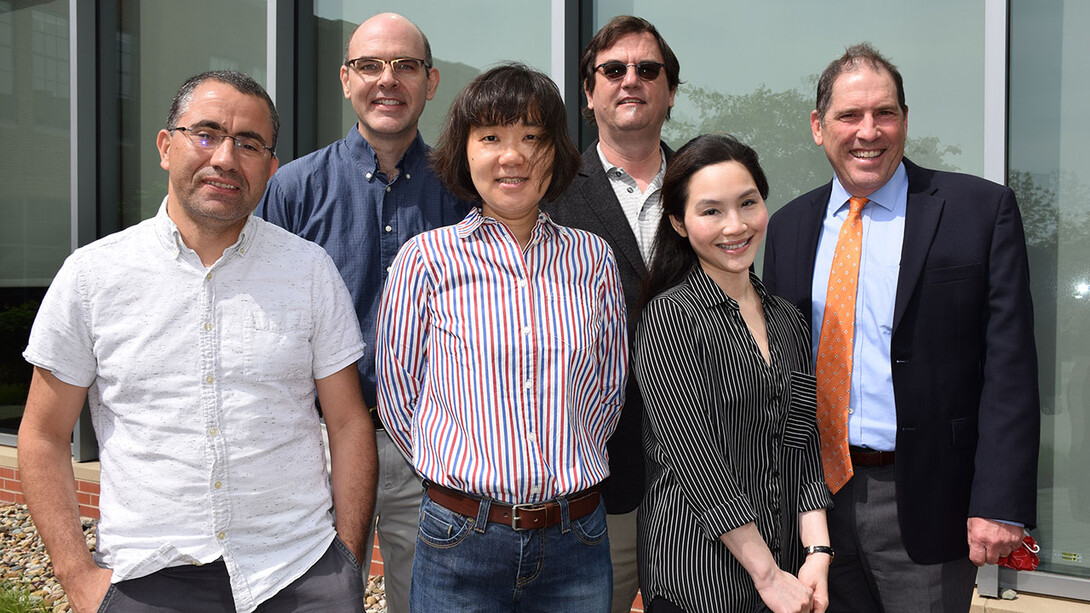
{"x": 862, "y": 456}
{"x": 519, "y": 516}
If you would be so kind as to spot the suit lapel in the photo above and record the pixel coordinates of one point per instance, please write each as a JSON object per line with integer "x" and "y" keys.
{"x": 806, "y": 238}
{"x": 603, "y": 203}
{"x": 922, "y": 214}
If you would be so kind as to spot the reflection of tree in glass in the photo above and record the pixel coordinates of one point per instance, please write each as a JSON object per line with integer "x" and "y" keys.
{"x": 1040, "y": 216}
{"x": 777, "y": 125}
{"x": 1056, "y": 214}
{"x": 1057, "y": 222}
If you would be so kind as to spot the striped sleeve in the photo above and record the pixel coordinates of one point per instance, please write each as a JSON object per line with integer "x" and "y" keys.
{"x": 613, "y": 348}
{"x": 401, "y": 339}
{"x": 671, "y": 367}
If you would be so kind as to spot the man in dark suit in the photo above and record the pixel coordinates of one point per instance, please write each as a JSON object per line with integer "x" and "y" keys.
{"x": 629, "y": 77}
{"x": 943, "y": 413}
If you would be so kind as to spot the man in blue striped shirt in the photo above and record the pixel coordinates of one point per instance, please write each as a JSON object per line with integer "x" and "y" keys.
{"x": 361, "y": 198}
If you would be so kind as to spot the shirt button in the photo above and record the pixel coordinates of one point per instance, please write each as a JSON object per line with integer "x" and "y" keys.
{"x": 196, "y": 563}
{"x": 527, "y": 384}
{"x": 208, "y": 277}
{"x": 522, "y": 283}
{"x": 221, "y": 535}
{"x": 389, "y": 229}
{"x": 213, "y": 432}
{"x": 388, "y": 188}
{"x": 207, "y": 325}
{"x": 408, "y": 176}
{"x": 241, "y": 250}
{"x": 368, "y": 175}
{"x": 850, "y": 411}
{"x": 209, "y": 379}
{"x": 389, "y": 268}
{"x": 217, "y": 485}
{"x": 630, "y": 190}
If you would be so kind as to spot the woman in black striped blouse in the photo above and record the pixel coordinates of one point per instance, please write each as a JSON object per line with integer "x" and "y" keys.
{"x": 734, "y": 515}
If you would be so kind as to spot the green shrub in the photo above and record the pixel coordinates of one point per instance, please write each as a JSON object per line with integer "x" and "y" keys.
{"x": 17, "y": 600}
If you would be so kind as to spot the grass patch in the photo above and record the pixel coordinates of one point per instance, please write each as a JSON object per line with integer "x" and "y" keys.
{"x": 16, "y": 600}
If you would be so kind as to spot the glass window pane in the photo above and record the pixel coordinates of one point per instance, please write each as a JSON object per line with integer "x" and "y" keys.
{"x": 160, "y": 45}
{"x": 739, "y": 76}
{"x": 35, "y": 202}
{"x": 466, "y": 39}
{"x": 1049, "y": 95}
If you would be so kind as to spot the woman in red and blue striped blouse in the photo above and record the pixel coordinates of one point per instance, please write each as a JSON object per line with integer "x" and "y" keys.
{"x": 501, "y": 361}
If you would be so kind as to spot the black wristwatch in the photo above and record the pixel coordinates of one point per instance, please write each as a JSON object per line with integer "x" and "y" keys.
{"x": 820, "y": 549}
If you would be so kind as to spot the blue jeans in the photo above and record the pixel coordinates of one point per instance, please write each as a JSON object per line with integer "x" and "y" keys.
{"x": 467, "y": 564}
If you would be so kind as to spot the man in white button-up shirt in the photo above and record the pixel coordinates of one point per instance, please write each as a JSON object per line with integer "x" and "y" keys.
{"x": 198, "y": 338}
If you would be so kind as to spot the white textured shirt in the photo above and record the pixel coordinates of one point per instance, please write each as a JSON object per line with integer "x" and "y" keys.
{"x": 642, "y": 208}
{"x": 501, "y": 370}
{"x": 202, "y": 396}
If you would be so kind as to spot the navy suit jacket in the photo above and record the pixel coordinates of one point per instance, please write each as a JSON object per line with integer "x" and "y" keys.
{"x": 591, "y": 205}
{"x": 963, "y": 357}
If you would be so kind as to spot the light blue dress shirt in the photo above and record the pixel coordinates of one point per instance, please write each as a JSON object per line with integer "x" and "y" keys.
{"x": 872, "y": 412}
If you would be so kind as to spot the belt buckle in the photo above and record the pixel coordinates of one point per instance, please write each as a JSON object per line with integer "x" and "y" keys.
{"x": 515, "y": 513}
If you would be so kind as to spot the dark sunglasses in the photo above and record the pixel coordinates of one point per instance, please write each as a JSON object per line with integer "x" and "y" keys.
{"x": 648, "y": 71}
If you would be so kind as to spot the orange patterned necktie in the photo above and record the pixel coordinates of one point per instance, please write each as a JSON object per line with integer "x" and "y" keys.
{"x": 834, "y": 359}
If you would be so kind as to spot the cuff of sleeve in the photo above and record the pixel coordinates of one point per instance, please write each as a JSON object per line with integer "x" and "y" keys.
{"x": 814, "y": 496}
{"x": 721, "y": 519}
{"x": 339, "y": 362}
{"x": 58, "y": 371}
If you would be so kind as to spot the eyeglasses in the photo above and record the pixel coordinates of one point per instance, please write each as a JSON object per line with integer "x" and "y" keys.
{"x": 208, "y": 139}
{"x": 614, "y": 71}
{"x": 373, "y": 67}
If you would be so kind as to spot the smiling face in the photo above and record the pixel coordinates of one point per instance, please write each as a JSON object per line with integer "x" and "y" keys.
{"x": 630, "y": 104}
{"x": 725, "y": 221}
{"x": 864, "y": 129}
{"x": 388, "y": 106}
{"x": 509, "y": 169}
{"x": 216, "y": 188}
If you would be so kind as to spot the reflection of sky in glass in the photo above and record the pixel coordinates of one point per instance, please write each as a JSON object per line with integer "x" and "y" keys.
{"x": 474, "y": 32}
{"x": 735, "y": 47}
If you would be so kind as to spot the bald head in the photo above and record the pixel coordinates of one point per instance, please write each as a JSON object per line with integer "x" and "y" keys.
{"x": 389, "y": 103}
{"x": 390, "y": 26}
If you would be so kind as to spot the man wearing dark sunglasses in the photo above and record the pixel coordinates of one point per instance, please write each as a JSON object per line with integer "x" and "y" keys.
{"x": 629, "y": 76}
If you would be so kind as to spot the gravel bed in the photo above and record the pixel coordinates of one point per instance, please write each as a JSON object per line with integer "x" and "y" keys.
{"x": 24, "y": 562}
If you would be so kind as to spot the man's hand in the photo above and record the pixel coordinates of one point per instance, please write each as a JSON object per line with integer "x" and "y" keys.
{"x": 990, "y": 540}
{"x": 87, "y": 589}
{"x": 354, "y": 475}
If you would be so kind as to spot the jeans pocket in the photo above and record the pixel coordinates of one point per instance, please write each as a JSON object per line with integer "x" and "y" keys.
{"x": 105, "y": 604}
{"x": 440, "y": 527}
{"x": 591, "y": 529}
{"x": 339, "y": 544}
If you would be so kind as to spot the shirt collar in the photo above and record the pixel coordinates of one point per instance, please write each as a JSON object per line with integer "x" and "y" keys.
{"x": 886, "y": 196}
{"x": 611, "y": 170}
{"x": 709, "y": 294}
{"x": 171, "y": 238}
{"x": 475, "y": 220}
{"x": 414, "y": 160}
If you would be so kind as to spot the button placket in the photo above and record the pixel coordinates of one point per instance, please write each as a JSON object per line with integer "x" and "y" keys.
{"x": 210, "y": 410}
